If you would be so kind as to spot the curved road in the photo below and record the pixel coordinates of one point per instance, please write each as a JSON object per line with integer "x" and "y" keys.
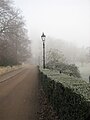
{"x": 19, "y": 95}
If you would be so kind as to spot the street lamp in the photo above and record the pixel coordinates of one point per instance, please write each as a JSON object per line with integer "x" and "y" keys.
{"x": 43, "y": 40}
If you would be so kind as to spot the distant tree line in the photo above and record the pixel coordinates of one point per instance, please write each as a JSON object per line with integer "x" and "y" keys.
{"x": 14, "y": 42}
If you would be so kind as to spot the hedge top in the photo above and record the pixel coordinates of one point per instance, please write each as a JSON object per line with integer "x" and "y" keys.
{"x": 76, "y": 84}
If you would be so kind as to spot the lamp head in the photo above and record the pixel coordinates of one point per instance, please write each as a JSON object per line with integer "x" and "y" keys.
{"x": 43, "y": 37}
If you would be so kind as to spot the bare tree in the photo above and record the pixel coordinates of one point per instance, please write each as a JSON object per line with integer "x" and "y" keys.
{"x": 14, "y": 42}
{"x": 54, "y": 57}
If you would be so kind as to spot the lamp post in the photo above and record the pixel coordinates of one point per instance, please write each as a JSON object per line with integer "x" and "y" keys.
{"x": 43, "y": 40}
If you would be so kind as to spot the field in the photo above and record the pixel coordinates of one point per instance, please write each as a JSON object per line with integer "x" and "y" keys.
{"x": 85, "y": 71}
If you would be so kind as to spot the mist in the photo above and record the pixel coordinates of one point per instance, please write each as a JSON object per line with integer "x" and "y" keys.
{"x": 66, "y": 24}
{"x": 68, "y": 19}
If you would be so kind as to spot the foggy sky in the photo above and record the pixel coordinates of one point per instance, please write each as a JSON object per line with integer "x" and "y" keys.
{"x": 65, "y": 19}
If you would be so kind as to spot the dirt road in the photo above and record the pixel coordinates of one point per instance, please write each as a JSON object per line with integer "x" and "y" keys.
{"x": 19, "y": 96}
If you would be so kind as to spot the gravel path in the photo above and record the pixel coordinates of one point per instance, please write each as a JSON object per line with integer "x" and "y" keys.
{"x": 19, "y": 96}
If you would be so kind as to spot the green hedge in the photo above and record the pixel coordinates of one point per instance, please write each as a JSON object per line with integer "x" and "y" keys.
{"x": 67, "y": 95}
